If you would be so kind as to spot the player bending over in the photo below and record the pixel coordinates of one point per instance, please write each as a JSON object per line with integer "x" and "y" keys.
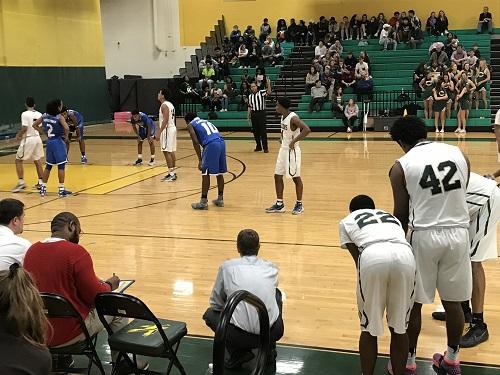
{"x": 211, "y": 161}
{"x": 75, "y": 123}
{"x": 293, "y": 130}
{"x": 386, "y": 279}
{"x": 57, "y": 129}
{"x": 31, "y": 147}
{"x": 144, "y": 128}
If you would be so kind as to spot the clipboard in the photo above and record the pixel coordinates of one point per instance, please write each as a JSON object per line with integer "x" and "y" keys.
{"x": 124, "y": 285}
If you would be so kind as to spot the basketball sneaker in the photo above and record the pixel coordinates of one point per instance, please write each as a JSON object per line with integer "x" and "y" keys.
{"x": 170, "y": 177}
{"x": 475, "y": 335}
{"x": 298, "y": 209}
{"x": 409, "y": 370}
{"x": 152, "y": 162}
{"x": 219, "y": 202}
{"x": 443, "y": 366}
{"x": 38, "y": 186}
{"x": 201, "y": 205}
{"x": 276, "y": 208}
{"x": 64, "y": 193}
{"x": 138, "y": 162}
{"x": 20, "y": 186}
{"x": 43, "y": 190}
{"x": 83, "y": 159}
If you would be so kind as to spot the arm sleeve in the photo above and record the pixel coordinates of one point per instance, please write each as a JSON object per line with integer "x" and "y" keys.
{"x": 89, "y": 285}
{"x": 25, "y": 121}
{"x": 343, "y": 236}
{"x": 218, "y": 297}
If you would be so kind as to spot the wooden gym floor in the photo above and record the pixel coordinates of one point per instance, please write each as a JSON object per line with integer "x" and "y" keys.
{"x": 144, "y": 229}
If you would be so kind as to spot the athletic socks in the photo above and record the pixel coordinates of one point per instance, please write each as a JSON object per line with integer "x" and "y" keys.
{"x": 61, "y": 187}
{"x": 21, "y": 181}
{"x": 40, "y": 181}
{"x": 279, "y": 202}
{"x": 477, "y": 319}
{"x": 139, "y": 156}
{"x": 452, "y": 354}
{"x": 466, "y": 307}
{"x": 412, "y": 357}
{"x": 152, "y": 157}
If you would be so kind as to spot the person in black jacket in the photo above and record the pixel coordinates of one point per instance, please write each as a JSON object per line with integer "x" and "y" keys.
{"x": 442, "y": 23}
{"x": 485, "y": 22}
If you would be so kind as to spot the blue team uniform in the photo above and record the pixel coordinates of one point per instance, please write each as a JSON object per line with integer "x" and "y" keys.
{"x": 213, "y": 157}
{"x": 79, "y": 119}
{"x": 144, "y": 123}
{"x": 55, "y": 152}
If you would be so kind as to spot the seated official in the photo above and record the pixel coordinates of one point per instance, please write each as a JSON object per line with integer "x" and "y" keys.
{"x": 60, "y": 265}
{"x": 259, "y": 277}
{"x": 23, "y": 325}
{"x": 12, "y": 247}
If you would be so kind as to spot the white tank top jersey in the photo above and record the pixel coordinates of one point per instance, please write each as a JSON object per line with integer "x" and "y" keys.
{"x": 479, "y": 190}
{"x": 367, "y": 227}
{"x": 287, "y": 134}
{"x": 171, "y": 120}
{"x": 27, "y": 119}
{"x": 436, "y": 177}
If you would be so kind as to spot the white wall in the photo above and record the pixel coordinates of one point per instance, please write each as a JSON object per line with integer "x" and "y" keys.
{"x": 129, "y": 45}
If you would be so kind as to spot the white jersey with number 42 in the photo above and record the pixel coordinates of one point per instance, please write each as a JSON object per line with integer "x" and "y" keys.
{"x": 436, "y": 177}
{"x": 367, "y": 227}
{"x": 171, "y": 119}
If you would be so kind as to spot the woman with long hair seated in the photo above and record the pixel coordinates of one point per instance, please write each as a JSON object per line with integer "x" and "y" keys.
{"x": 23, "y": 325}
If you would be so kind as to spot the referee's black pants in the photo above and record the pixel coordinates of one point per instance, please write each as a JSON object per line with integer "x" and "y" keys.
{"x": 259, "y": 129}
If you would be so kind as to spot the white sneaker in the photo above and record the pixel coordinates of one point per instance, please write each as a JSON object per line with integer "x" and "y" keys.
{"x": 151, "y": 163}
{"x": 462, "y": 131}
{"x": 20, "y": 186}
{"x": 349, "y": 130}
{"x": 457, "y": 130}
{"x": 437, "y": 130}
{"x": 441, "y": 131}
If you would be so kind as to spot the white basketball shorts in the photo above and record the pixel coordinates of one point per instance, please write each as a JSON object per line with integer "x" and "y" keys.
{"x": 386, "y": 282}
{"x": 168, "y": 139}
{"x": 443, "y": 263}
{"x": 30, "y": 148}
{"x": 483, "y": 230}
{"x": 288, "y": 162}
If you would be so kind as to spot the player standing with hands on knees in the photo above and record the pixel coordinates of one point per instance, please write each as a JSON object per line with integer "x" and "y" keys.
{"x": 147, "y": 130}
{"x": 168, "y": 133}
{"x": 75, "y": 123}
{"x": 211, "y": 161}
{"x": 293, "y": 130}
{"x": 429, "y": 186}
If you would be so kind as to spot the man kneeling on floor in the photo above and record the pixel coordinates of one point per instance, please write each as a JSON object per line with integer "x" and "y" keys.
{"x": 257, "y": 276}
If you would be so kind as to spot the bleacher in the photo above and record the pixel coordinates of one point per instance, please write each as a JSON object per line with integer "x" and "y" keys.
{"x": 391, "y": 71}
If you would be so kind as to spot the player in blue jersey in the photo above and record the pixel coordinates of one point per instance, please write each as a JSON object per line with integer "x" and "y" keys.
{"x": 75, "y": 123}
{"x": 211, "y": 161}
{"x": 57, "y": 130}
{"x": 144, "y": 128}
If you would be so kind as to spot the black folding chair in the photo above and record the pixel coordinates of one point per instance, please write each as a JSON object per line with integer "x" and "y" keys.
{"x": 146, "y": 335}
{"x": 57, "y": 306}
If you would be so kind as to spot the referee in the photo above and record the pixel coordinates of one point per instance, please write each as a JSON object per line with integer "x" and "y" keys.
{"x": 257, "y": 109}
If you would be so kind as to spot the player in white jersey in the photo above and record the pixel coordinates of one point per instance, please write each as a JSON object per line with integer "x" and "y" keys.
{"x": 31, "y": 147}
{"x": 386, "y": 279}
{"x": 429, "y": 186}
{"x": 497, "y": 133}
{"x": 168, "y": 134}
{"x": 293, "y": 130}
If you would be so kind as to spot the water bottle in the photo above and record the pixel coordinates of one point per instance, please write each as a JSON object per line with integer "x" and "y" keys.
{"x": 210, "y": 369}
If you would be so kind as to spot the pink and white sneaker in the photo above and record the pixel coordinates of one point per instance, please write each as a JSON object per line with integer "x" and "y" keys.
{"x": 410, "y": 369}
{"x": 444, "y": 366}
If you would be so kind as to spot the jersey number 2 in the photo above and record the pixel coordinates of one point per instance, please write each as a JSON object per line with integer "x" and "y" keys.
{"x": 49, "y": 131}
{"x": 429, "y": 179}
{"x": 367, "y": 218}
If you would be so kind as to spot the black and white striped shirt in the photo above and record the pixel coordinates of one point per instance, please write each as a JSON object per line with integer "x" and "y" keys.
{"x": 257, "y": 101}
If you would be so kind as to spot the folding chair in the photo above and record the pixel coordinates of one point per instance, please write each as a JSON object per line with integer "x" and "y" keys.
{"x": 57, "y": 306}
{"x": 159, "y": 339}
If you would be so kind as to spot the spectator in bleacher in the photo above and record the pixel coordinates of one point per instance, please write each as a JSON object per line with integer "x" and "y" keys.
{"x": 221, "y": 64}
{"x": 215, "y": 98}
{"x": 350, "y": 61}
{"x": 354, "y": 26}
{"x": 208, "y": 74}
{"x": 442, "y": 23}
{"x": 311, "y": 33}
{"x": 485, "y": 22}
{"x": 301, "y": 34}
{"x": 449, "y": 86}
{"x": 440, "y": 99}
{"x": 328, "y": 79}
{"x": 245, "y": 77}
{"x": 259, "y": 277}
{"x": 385, "y": 38}
{"x": 475, "y": 48}
{"x": 361, "y": 67}
{"x": 345, "y": 30}
{"x": 472, "y": 59}
{"x": 282, "y": 31}
{"x": 60, "y": 265}
{"x": 381, "y": 22}
{"x": 482, "y": 77}
{"x": 347, "y": 79}
{"x": 363, "y": 27}
{"x": 405, "y": 30}
{"x": 267, "y": 54}
{"x": 394, "y": 20}
{"x": 334, "y": 28}
{"x": 254, "y": 54}
{"x": 260, "y": 78}
{"x": 414, "y": 20}
{"x": 454, "y": 73}
{"x": 459, "y": 57}
{"x": 243, "y": 56}
{"x": 436, "y": 70}
{"x": 320, "y": 50}
{"x": 337, "y": 100}
{"x": 12, "y": 247}
{"x": 228, "y": 95}
{"x": 23, "y": 325}
{"x": 364, "y": 86}
{"x": 336, "y": 47}
{"x": 416, "y": 37}
{"x": 249, "y": 36}
{"x": 318, "y": 96}
{"x": 265, "y": 30}
{"x": 205, "y": 98}
{"x": 322, "y": 28}
{"x": 418, "y": 76}
{"x": 244, "y": 92}
{"x": 439, "y": 56}
{"x": 278, "y": 56}
{"x": 427, "y": 85}
{"x": 311, "y": 78}
{"x": 188, "y": 91}
{"x": 235, "y": 36}
{"x": 372, "y": 27}
{"x": 450, "y": 44}
{"x": 465, "y": 87}
{"x": 351, "y": 113}
{"x": 204, "y": 62}
{"x": 430, "y": 25}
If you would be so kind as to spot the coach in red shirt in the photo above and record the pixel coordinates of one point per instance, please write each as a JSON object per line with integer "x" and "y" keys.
{"x": 59, "y": 265}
